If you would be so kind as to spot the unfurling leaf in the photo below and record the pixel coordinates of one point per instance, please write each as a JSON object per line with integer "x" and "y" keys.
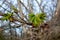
{"x": 36, "y": 19}
{"x": 6, "y": 16}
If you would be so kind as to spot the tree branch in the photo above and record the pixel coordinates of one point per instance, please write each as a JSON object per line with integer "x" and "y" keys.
{"x": 39, "y": 5}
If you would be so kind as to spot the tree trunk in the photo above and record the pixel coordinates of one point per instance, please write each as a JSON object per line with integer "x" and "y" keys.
{"x": 56, "y": 19}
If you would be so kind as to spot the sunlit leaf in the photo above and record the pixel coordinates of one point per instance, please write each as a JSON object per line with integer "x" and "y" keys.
{"x": 6, "y": 16}
{"x": 36, "y": 19}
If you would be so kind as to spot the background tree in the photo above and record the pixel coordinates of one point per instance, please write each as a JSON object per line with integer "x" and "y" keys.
{"x": 19, "y": 17}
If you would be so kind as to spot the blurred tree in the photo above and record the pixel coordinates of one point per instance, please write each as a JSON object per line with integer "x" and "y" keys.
{"x": 20, "y": 15}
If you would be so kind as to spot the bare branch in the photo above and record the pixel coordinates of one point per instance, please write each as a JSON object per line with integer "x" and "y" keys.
{"x": 20, "y": 10}
{"x": 30, "y": 6}
{"x": 24, "y": 5}
{"x": 40, "y": 5}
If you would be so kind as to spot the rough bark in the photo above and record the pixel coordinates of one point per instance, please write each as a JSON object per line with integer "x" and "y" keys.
{"x": 56, "y": 19}
{"x": 57, "y": 14}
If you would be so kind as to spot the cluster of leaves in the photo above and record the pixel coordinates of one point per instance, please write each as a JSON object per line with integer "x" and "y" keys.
{"x": 6, "y": 16}
{"x": 36, "y": 19}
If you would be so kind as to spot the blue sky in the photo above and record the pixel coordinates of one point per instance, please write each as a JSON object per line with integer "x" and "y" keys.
{"x": 14, "y": 2}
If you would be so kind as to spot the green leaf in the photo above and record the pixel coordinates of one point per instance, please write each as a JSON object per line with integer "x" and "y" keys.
{"x": 36, "y": 19}
{"x": 35, "y": 22}
{"x": 6, "y": 16}
{"x": 31, "y": 15}
{"x": 3, "y": 18}
{"x": 42, "y": 16}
